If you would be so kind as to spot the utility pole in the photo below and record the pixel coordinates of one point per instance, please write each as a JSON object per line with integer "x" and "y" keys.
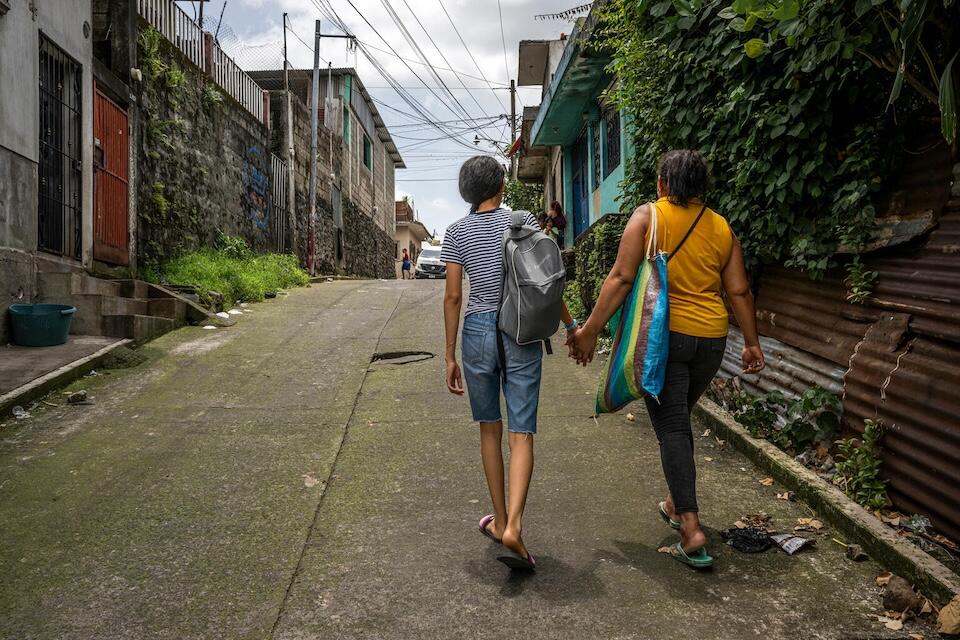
{"x": 289, "y": 155}
{"x": 513, "y": 128}
{"x": 314, "y": 114}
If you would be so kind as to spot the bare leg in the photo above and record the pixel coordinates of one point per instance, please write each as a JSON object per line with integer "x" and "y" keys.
{"x": 521, "y": 469}
{"x": 491, "y": 435}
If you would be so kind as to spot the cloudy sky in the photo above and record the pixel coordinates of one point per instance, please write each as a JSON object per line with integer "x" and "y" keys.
{"x": 252, "y": 31}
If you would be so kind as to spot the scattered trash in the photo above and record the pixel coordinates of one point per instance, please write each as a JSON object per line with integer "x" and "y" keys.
{"x": 244, "y": 304}
{"x": 758, "y": 520}
{"x": 309, "y": 480}
{"x": 720, "y": 442}
{"x": 791, "y": 543}
{"x": 49, "y": 404}
{"x": 93, "y": 373}
{"x": 900, "y": 596}
{"x": 631, "y": 417}
{"x": 705, "y": 434}
{"x": 234, "y": 312}
{"x": 948, "y": 622}
{"x": 270, "y": 294}
{"x": 747, "y": 540}
{"x": 856, "y": 553}
{"x": 20, "y": 413}
{"x": 789, "y": 496}
{"x": 329, "y": 279}
{"x": 223, "y": 314}
{"x": 77, "y": 397}
{"x": 883, "y": 578}
{"x": 209, "y": 326}
{"x": 767, "y": 482}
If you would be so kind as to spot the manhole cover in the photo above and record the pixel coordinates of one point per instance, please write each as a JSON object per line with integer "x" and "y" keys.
{"x": 400, "y": 357}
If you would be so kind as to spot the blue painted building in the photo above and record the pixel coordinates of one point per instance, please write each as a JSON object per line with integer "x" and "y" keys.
{"x": 575, "y": 143}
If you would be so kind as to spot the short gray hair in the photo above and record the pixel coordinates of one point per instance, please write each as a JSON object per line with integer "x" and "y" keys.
{"x": 480, "y": 179}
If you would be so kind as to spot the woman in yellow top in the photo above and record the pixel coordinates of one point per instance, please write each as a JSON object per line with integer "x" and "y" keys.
{"x": 709, "y": 264}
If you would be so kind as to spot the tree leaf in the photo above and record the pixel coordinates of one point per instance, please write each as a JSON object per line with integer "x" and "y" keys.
{"x": 754, "y": 47}
{"x": 948, "y": 101}
{"x": 788, "y": 10}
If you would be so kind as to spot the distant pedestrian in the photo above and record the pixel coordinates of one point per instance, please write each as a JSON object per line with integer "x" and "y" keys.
{"x": 557, "y": 222}
{"x": 709, "y": 266}
{"x": 406, "y": 266}
{"x": 474, "y": 244}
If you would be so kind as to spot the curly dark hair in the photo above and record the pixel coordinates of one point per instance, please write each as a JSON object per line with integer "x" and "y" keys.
{"x": 685, "y": 173}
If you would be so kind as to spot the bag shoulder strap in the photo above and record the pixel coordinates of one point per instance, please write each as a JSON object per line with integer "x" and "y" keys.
{"x": 676, "y": 250}
{"x": 517, "y": 219}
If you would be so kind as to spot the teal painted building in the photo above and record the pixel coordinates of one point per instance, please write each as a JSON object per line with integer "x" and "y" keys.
{"x": 592, "y": 136}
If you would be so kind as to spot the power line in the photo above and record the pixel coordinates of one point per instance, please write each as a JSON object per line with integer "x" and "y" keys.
{"x": 451, "y": 70}
{"x": 469, "y": 53}
{"x": 503, "y": 41}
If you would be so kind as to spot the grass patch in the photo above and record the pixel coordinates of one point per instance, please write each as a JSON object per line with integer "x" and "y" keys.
{"x": 234, "y": 272}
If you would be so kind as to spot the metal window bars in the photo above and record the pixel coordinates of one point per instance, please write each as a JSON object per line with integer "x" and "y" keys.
{"x": 279, "y": 201}
{"x": 60, "y": 165}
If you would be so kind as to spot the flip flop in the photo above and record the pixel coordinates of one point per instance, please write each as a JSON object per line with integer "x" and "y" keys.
{"x": 663, "y": 514}
{"x": 484, "y": 521}
{"x": 698, "y": 559}
{"x": 517, "y": 562}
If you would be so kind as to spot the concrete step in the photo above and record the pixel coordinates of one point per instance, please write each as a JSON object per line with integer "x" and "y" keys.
{"x": 173, "y": 308}
{"x": 91, "y": 310}
{"x": 60, "y": 285}
{"x": 134, "y": 288}
{"x": 137, "y": 327}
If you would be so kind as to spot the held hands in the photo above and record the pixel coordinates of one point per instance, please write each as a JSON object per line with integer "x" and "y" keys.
{"x": 752, "y": 359}
{"x": 454, "y": 378}
{"x": 582, "y": 343}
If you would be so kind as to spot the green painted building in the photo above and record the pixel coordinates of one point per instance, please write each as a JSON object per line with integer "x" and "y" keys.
{"x": 575, "y": 143}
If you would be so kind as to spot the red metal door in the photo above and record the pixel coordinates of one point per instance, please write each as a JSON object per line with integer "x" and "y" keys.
{"x": 110, "y": 198}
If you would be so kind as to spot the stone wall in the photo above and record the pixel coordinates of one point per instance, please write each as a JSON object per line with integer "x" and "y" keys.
{"x": 204, "y": 161}
{"x": 366, "y": 248}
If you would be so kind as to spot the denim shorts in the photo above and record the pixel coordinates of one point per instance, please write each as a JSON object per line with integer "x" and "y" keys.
{"x": 481, "y": 371}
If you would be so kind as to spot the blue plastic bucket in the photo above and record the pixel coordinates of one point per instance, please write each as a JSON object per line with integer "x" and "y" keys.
{"x": 40, "y": 325}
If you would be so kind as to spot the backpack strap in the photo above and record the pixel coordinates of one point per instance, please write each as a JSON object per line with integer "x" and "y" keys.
{"x": 517, "y": 218}
{"x": 689, "y": 231}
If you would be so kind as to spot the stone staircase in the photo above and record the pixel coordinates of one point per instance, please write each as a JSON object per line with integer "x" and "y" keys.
{"x": 118, "y": 308}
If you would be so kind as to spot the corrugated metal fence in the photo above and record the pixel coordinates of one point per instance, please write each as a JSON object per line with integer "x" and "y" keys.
{"x": 895, "y": 358}
{"x": 201, "y": 49}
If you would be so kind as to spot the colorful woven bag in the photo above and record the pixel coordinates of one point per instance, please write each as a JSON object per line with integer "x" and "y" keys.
{"x": 641, "y": 330}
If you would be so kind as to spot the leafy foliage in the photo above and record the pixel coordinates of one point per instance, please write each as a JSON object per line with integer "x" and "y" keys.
{"x": 521, "y": 196}
{"x": 596, "y": 252}
{"x": 571, "y": 296}
{"x": 813, "y": 418}
{"x": 790, "y": 113}
{"x": 232, "y": 270}
{"x": 858, "y": 467}
{"x": 859, "y": 281}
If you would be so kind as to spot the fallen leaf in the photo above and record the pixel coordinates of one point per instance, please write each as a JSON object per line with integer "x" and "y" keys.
{"x": 309, "y": 480}
{"x": 884, "y": 578}
{"x": 804, "y": 521}
{"x": 767, "y": 482}
{"x": 631, "y": 417}
{"x": 740, "y": 524}
{"x": 915, "y": 636}
{"x": 705, "y": 433}
{"x": 720, "y": 442}
{"x": 894, "y": 625}
{"x": 708, "y": 458}
{"x": 926, "y": 608}
{"x": 816, "y": 524}
{"x": 787, "y": 495}
{"x": 664, "y": 549}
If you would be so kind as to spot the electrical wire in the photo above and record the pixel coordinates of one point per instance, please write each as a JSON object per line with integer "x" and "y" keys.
{"x": 469, "y": 53}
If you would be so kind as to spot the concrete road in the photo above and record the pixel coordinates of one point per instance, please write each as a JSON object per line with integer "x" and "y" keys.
{"x": 268, "y": 481}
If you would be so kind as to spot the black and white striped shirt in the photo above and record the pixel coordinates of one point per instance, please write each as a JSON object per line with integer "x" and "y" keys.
{"x": 476, "y": 242}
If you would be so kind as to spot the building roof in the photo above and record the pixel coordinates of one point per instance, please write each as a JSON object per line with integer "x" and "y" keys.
{"x": 272, "y": 80}
{"x": 575, "y": 86}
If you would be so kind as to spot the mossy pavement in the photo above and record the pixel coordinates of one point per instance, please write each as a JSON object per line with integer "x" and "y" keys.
{"x": 266, "y": 480}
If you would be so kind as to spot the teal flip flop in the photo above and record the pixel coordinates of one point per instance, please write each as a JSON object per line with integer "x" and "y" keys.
{"x": 663, "y": 514}
{"x": 698, "y": 559}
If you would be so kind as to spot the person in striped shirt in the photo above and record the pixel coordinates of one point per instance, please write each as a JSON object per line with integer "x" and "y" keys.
{"x": 474, "y": 245}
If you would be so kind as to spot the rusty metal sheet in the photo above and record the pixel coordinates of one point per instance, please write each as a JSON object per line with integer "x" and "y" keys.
{"x": 789, "y": 370}
{"x": 923, "y": 182}
{"x": 813, "y": 316}
{"x": 925, "y": 282}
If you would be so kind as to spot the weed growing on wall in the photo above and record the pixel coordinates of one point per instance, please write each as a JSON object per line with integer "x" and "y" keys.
{"x": 596, "y": 251}
{"x": 858, "y": 467}
{"x": 859, "y": 281}
{"x": 813, "y": 419}
{"x": 211, "y": 95}
{"x": 571, "y": 296}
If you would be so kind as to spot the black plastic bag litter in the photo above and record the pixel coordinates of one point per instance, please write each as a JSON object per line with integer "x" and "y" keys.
{"x": 749, "y": 540}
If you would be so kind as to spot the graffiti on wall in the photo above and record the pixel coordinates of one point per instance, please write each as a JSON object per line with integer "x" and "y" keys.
{"x": 256, "y": 187}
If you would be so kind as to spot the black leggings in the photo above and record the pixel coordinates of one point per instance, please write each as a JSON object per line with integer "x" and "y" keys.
{"x": 692, "y": 364}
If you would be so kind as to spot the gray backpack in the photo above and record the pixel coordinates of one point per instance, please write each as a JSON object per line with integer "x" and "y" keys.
{"x": 534, "y": 278}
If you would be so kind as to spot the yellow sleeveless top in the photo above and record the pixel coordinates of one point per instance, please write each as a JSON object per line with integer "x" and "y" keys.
{"x": 693, "y": 275}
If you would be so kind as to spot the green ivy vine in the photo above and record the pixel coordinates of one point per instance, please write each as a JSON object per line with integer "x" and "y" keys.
{"x": 799, "y": 136}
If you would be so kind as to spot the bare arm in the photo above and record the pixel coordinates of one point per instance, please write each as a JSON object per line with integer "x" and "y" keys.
{"x": 617, "y": 284}
{"x": 452, "y": 300}
{"x": 737, "y": 288}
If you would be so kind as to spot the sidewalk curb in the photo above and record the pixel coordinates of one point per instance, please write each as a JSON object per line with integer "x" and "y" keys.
{"x": 928, "y": 575}
{"x": 57, "y": 378}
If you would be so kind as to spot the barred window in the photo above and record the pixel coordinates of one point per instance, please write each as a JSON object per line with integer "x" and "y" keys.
{"x": 611, "y": 119}
{"x": 596, "y": 155}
